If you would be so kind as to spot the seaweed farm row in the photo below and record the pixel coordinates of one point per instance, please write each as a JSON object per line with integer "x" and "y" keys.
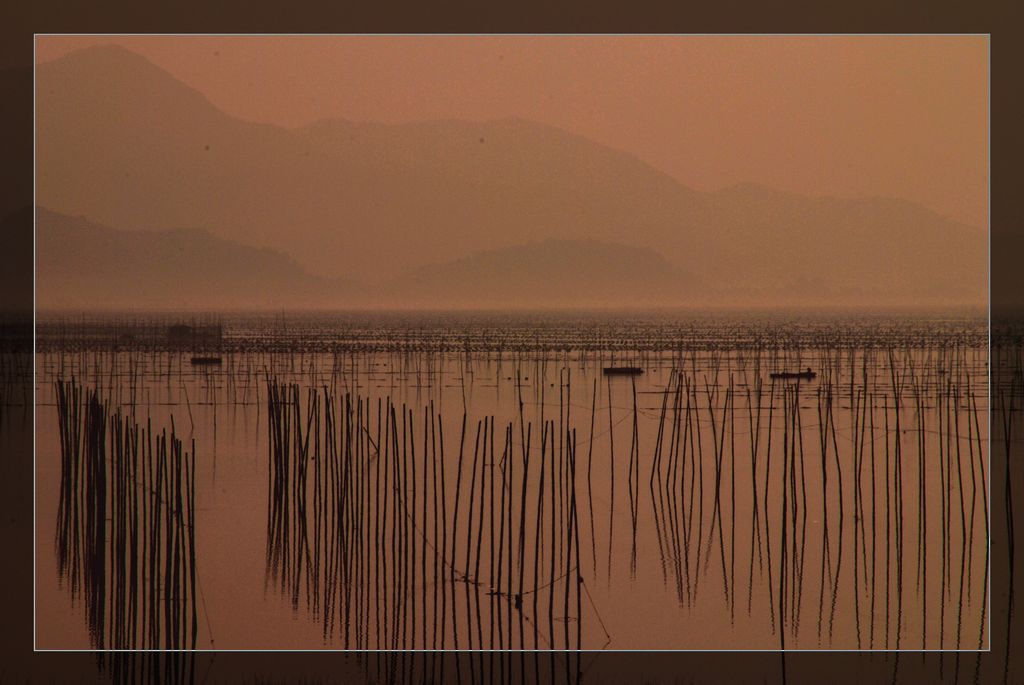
{"x": 495, "y": 332}
{"x": 523, "y": 499}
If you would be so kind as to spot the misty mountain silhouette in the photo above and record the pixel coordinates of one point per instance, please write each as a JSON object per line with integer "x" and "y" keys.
{"x": 82, "y": 265}
{"x": 559, "y": 273}
{"x": 126, "y": 144}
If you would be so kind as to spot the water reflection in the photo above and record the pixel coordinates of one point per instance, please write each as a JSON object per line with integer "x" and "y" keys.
{"x": 125, "y": 525}
{"x": 424, "y": 499}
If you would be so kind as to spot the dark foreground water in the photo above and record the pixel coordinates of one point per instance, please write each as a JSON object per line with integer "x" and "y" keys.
{"x": 476, "y": 481}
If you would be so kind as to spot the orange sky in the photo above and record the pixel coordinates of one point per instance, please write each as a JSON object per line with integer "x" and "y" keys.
{"x": 849, "y": 116}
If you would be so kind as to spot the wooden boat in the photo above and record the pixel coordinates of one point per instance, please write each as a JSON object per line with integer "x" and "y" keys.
{"x": 206, "y": 361}
{"x": 798, "y": 375}
{"x": 622, "y": 371}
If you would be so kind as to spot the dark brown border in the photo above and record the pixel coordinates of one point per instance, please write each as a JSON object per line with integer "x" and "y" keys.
{"x": 18, "y": 663}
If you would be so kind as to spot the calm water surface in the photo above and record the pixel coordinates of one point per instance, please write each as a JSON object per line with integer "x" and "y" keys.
{"x": 700, "y": 505}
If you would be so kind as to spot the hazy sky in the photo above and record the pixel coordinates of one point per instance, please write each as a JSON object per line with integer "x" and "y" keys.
{"x": 848, "y": 116}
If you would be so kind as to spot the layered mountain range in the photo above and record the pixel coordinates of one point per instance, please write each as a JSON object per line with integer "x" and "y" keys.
{"x": 151, "y": 196}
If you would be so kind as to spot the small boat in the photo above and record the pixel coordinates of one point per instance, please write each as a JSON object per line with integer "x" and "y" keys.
{"x": 799, "y": 375}
{"x": 206, "y": 361}
{"x": 622, "y": 371}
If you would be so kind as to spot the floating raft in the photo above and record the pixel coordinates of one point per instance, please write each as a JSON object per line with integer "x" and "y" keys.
{"x": 801, "y": 375}
{"x": 622, "y": 371}
{"x": 206, "y": 361}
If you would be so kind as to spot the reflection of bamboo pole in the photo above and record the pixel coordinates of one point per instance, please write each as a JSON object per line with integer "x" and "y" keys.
{"x": 984, "y": 497}
{"x": 874, "y": 524}
{"x": 784, "y": 527}
{"x": 444, "y": 535}
{"x": 922, "y": 517}
{"x": 554, "y": 542}
{"x": 732, "y": 501}
{"x": 590, "y": 490}
{"x": 570, "y": 577}
{"x": 828, "y": 429}
{"x": 700, "y": 494}
{"x": 138, "y": 573}
{"x": 963, "y": 516}
{"x": 888, "y": 520}
{"x": 579, "y": 578}
{"x": 537, "y": 529}
{"x": 611, "y": 491}
{"x": 974, "y": 486}
{"x": 522, "y": 535}
{"x": 423, "y": 547}
{"x": 944, "y": 492}
{"x": 897, "y": 385}
{"x": 755, "y": 527}
{"x": 799, "y": 439}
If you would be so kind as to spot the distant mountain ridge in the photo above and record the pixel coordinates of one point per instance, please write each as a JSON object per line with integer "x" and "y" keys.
{"x": 121, "y": 141}
{"x": 558, "y": 273}
{"x": 82, "y": 265}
